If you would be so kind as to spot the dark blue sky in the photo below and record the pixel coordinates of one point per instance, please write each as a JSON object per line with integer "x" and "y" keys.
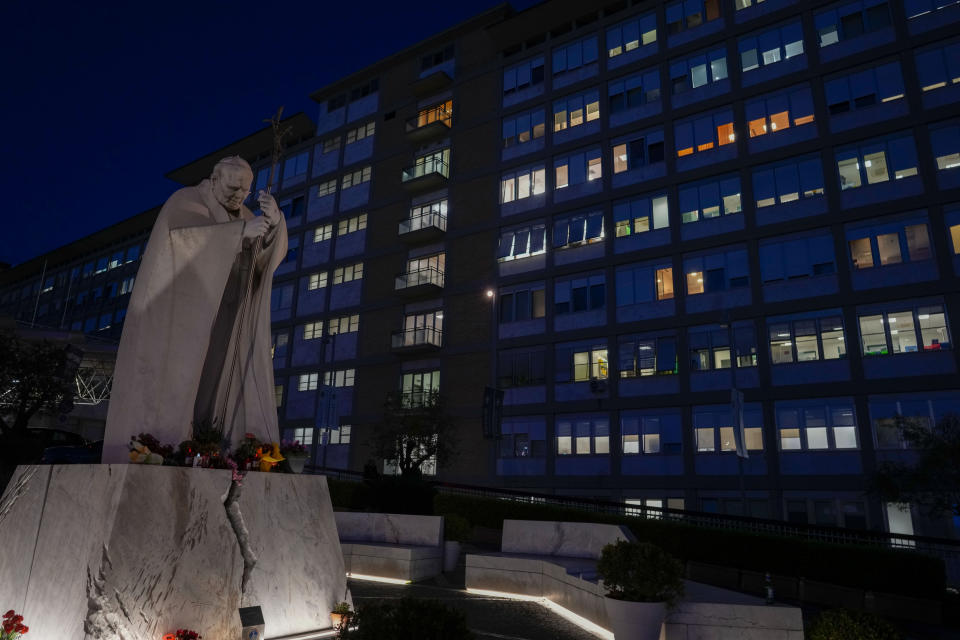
{"x": 102, "y": 98}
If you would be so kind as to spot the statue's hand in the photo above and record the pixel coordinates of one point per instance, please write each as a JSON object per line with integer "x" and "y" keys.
{"x": 255, "y": 227}
{"x": 269, "y": 207}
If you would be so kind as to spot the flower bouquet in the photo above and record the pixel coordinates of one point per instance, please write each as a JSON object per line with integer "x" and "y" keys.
{"x": 295, "y": 453}
{"x": 183, "y": 634}
{"x": 13, "y": 626}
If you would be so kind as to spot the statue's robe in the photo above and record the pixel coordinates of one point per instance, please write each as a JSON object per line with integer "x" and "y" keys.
{"x": 183, "y": 332}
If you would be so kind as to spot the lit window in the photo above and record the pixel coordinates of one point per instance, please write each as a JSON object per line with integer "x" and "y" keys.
{"x": 307, "y": 382}
{"x": 317, "y": 281}
{"x": 323, "y": 232}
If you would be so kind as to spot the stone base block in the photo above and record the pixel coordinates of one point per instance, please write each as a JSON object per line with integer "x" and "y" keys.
{"x": 95, "y": 552}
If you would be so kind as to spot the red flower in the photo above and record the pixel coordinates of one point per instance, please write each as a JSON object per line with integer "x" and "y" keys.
{"x": 9, "y": 614}
{"x": 23, "y": 628}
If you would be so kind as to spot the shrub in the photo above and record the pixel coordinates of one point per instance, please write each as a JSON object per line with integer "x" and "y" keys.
{"x": 640, "y": 572}
{"x": 456, "y": 528}
{"x": 841, "y": 624}
{"x": 407, "y": 619}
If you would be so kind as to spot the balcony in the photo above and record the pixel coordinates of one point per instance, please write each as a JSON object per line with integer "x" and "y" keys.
{"x": 422, "y": 339}
{"x": 431, "y": 83}
{"x": 419, "y": 282}
{"x": 430, "y": 172}
{"x": 430, "y": 123}
{"x": 423, "y": 228}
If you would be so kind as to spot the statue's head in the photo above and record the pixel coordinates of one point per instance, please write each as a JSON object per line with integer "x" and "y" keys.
{"x": 231, "y": 180}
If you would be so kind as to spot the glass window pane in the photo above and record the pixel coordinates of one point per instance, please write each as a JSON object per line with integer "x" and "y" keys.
{"x": 918, "y": 242}
{"x": 790, "y": 439}
{"x": 875, "y": 164}
{"x": 873, "y": 339}
{"x": 903, "y": 336}
{"x": 849, "y": 169}
{"x": 933, "y": 328}
{"x": 888, "y": 246}
{"x": 705, "y": 440}
{"x": 861, "y": 253}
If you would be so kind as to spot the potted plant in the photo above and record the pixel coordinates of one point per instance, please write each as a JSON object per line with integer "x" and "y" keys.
{"x": 295, "y": 453}
{"x": 456, "y": 529}
{"x": 12, "y": 627}
{"x": 642, "y": 581}
{"x": 341, "y": 614}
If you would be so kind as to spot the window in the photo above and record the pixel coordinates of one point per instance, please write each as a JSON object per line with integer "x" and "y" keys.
{"x": 281, "y": 297}
{"x": 322, "y": 233}
{"x": 939, "y": 67}
{"x": 895, "y": 242}
{"x": 330, "y": 145}
{"x": 340, "y": 435}
{"x": 583, "y": 435}
{"x": 634, "y": 91}
{"x": 133, "y": 253}
{"x": 945, "y": 141}
{"x": 364, "y": 90}
{"x": 650, "y": 433}
{"x": 745, "y": 343}
{"x": 522, "y": 242}
{"x": 816, "y": 425}
{"x": 346, "y": 324}
{"x": 428, "y": 269}
{"x": 896, "y": 331}
{"x": 317, "y": 281}
{"x": 647, "y": 355}
{"x": 585, "y": 228}
{"x": 280, "y": 345}
{"x": 710, "y": 198}
{"x": 778, "y": 111}
{"x": 575, "y": 110}
{"x": 807, "y": 339}
{"x": 339, "y": 378}
{"x": 263, "y": 176}
{"x": 115, "y": 261}
{"x": 915, "y": 8}
{"x": 577, "y": 168}
{"x": 523, "y": 438}
{"x": 783, "y": 182}
{"x": 716, "y": 272}
{"x": 889, "y": 412}
{"x": 361, "y": 132}
{"x": 710, "y": 348}
{"x": 278, "y": 395}
{"x": 574, "y": 55}
{"x": 638, "y": 152}
{"x": 417, "y": 389}
{"x": 296, "y": 165}
{"x": 717, "y": 422}
{"x": 101, "y": 264}
{"x": 864, "y": 89}
{"x": 691, "y": 13}
{"x": 791, "y": 258}
{"x": 639, "y": 215}
{"x": 771, "y": 46}
{"x": 638, "y": 284}
{"x": 704, "y": 132}
{"x": 632, "y": 34}
{"x": 429, "y": 214}
{"x": 312, "y": 330}
{"x": 308, "y": 382}
{"x": 104, "y": 322}
{"x": 354, "y": 178}
{"x": 530, "y": 181}
{"x": 348, "y": 273}
{"x": 522, "y": 76}
{"x": 580, "y": 294}
{"x": 698, "y": 71}
{"x": 873, "y": 161}
{"x": 522, "y": 128}
{"x": 522, "y": 304}
{"x": 851, "y": 20}
{"x": 521, "y": 368}
{"x": 436, "y": 58}
{"x": 126, "y": 286}
{"x": 581, "y": 362}
{"x": 292, "y": 208}
{"x": 327, "y": 188}
{"x": 351, "y": 225}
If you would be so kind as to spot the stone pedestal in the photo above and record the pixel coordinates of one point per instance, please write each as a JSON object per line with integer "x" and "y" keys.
{"x": 130, "y": 552}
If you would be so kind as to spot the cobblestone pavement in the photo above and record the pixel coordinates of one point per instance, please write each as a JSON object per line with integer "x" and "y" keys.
{"x": 489, "y": 618}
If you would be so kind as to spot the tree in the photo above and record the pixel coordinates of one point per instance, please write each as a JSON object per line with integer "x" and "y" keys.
{"x": 932, "y": 480}
{"x": 35, "y": 377}
{"x": 412, "y": 433}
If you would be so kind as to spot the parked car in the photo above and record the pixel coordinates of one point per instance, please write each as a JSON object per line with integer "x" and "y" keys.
{"x": 88, "y": 453}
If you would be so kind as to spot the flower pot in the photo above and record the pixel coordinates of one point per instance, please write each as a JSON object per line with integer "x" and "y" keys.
{"x": 296, "y": 463}
{"x": 635, "y": 620}
{"x": 337, "y": 619}
{"x": 451, "y": 555}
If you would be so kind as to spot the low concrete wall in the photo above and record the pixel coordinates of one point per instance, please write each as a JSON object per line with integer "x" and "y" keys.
{"x": 390, "y": 545}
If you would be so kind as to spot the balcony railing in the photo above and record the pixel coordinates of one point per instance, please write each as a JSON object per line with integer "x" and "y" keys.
{"x": 424, "y": 221}
{"x": 431, "y": 165}
{"x": 421, "y": 337}
{"x": 435, "y": 115}
{"x": 419, "y": 277}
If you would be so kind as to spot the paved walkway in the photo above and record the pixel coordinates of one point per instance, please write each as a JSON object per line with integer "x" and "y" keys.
{"x": 489, "y": 618}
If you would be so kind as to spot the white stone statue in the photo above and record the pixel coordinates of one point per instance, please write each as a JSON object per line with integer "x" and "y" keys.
{"x": 196, "y": 341}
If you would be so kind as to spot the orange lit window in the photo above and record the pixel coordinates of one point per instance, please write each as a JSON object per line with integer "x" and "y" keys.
{"x": 757, "y": 127}
{"x": 780, "y": 121}
{"x": 725, "y": 134}
{"x": 685, "y": 152}
{"x": 704, "y": 147}
{"x": 694, "y": 282}
{"x": 803, "y": 120}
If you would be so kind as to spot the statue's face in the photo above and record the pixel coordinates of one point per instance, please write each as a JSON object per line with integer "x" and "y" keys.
{"x": 231, "y": 186}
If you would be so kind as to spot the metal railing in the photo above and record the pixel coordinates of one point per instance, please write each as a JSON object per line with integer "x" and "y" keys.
{"x": 945, "y": 548}
{"x": 417, "y": 337}
{"x": 427, "y": 275}
{"x": 423, "y": 221}
{"x": 428, "y": 116}
{"x": 429, "y": 165}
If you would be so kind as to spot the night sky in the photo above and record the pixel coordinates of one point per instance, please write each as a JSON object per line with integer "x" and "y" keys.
{"x": 101, "y": 99}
